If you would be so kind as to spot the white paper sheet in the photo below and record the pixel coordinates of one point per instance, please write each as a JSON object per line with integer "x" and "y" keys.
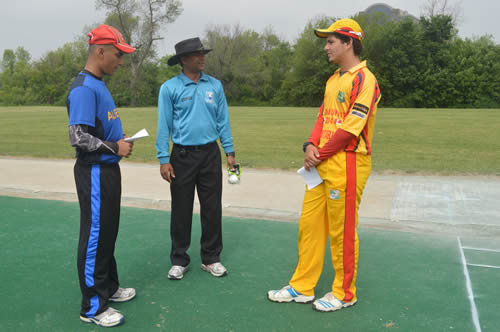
{"x": 311, "y": 177}
{"x": 138, "y": 135}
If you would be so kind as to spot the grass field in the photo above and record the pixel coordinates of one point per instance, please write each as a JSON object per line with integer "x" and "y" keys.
{"x": 406, "y": 281}
{"x": 438, "y": 141}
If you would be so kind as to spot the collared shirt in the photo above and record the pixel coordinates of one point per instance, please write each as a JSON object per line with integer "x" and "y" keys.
{"x": 191, "y": 113}
{"x": 350, "y": 103}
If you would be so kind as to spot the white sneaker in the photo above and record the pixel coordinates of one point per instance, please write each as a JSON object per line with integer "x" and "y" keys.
{"x": 288, "y": 294}
{"x": 330, "y": 303}
{"x": 216, "y": 269}
{"x": 108, "y": 318}
{"x": 177, "y": 272}
{"x": 123, "y": 295}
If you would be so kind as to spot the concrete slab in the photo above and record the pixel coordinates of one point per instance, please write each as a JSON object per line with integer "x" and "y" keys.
{"x": 407, "y": 202}
{"x": 447, "y": 200}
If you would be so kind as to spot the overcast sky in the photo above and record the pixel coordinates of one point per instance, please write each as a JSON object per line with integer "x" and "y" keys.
{"x": 44, "y": 25}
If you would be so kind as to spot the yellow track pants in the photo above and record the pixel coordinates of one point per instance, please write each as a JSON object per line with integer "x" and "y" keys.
{"x": 330, "y": 210}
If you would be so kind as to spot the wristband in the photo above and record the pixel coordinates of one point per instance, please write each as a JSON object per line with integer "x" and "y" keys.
{"x": 304, "y": 146}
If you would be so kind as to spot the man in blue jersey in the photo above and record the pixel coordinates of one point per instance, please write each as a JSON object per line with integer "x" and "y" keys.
{"x": 95, "y": 130}
{"x": 193, "y": 113}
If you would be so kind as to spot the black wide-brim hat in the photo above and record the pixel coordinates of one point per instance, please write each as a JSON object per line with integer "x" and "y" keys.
{"x": 185, "y": 47}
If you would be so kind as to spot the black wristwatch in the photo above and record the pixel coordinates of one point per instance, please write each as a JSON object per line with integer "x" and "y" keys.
{"x": 304, "y": 146}
{"x": 232, "y": 154}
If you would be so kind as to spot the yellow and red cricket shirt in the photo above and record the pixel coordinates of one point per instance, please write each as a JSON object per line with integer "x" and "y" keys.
{"x": 350, "y": 103}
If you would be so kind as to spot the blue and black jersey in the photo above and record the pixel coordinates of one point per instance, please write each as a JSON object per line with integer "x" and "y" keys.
{"x": 90, "y": 103}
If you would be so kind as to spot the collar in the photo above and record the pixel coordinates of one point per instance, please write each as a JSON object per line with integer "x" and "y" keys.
{"x": 186, "y": 80}
{"x": 354, "y": 69}
{"x": 85, "y": 71}
{"x": 360, "y": 66}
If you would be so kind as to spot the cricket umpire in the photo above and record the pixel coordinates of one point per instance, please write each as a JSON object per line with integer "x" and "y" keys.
{"x": 193, "y": 113}
{"x": 95, "y": 130}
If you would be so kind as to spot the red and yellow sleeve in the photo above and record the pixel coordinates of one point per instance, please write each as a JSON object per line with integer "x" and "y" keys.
{"x": 318, "y": 128}
{"x": 337, "y": 142}
{"x": 364, "y": 98}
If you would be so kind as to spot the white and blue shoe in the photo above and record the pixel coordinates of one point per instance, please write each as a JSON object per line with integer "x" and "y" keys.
{"x": 330, "y": 303}
{"x": 108, "y": 318}
{"x": 288, "y": 294}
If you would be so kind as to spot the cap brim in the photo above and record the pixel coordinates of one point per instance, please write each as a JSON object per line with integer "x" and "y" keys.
{"x": 204, "y": 51}
{"x": 173, "y": 60}
{"x": 125, "y": 48}
{"x": 176, "y": 58}
{"x": 322, "y": 33}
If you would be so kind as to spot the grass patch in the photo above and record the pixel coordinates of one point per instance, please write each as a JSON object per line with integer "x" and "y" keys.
{"x": 444, "y": 141}
{"x": 441, "y": 141}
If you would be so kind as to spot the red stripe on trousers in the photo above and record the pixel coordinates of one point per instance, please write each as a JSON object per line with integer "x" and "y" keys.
{"x": 350, "y": 225}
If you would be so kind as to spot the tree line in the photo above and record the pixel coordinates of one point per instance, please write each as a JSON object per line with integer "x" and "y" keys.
{"x": 418, "y": 63}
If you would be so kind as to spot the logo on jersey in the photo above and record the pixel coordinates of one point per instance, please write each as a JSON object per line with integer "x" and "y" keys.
{"x": 334, "y": 194}
{"x": 209, "y": 97}
{"x": 113, "y": 114}
{"x": 360, "y": 110}
{"x": 341, "y": 97}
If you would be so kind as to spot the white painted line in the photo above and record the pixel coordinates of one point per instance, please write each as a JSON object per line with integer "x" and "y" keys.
{"x": 481, "y": 249}
{"x": 481, "y": 265}
{"x": 475, "y": 315}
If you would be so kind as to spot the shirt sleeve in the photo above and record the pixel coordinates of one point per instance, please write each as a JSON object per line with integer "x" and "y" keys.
{"x": 79, "y": 137}
{"x": 82, "y": 106}
{"x": 318, "y": 128}
{"x": 223, "y": 126}
{"x": 363, "y": 98}
{"x": 337, "y": 142}
{"x": 165, "y": 118}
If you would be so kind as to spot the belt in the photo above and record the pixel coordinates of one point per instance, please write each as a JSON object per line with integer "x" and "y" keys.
{"x": 194, "y": 147}
{"x": 83, "y": 162}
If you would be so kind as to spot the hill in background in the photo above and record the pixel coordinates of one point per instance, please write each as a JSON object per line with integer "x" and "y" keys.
{"x": 394, "y": 14}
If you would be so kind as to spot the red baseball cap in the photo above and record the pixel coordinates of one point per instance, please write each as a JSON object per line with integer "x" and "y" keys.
{"x": 105, "y": 34}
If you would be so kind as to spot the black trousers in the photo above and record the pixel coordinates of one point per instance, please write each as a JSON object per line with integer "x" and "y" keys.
{"x": 99, "y": 194}
{"x": 201, "y": 168}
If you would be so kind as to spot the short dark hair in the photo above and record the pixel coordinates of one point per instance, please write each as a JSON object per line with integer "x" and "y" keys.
{"x": 93, "y": 47}
{"x": 356, "y": 43}
{"x": 180, "y": 60}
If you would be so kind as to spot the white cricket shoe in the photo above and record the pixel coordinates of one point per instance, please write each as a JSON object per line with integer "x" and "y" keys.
{"x": 288, "y": 294}
{"x": 177, "y": 272}
{"x": 108, "y": 318}
{"x": 215, "y": 269}
{"x": 330, "y": 303}
{"x": 123, "y": 295}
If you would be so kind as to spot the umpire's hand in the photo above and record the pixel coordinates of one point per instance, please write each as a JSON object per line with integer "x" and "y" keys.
{"x": 167, "y": 172}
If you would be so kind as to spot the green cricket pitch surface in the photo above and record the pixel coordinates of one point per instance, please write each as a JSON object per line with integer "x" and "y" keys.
{"x": 406, "y": 281}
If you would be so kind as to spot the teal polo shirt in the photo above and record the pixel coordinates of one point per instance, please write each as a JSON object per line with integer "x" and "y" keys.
{"x": 192, "y": 113}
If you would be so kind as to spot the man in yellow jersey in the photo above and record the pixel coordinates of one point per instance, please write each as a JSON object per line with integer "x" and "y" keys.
{"x": 340, "y": 148}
